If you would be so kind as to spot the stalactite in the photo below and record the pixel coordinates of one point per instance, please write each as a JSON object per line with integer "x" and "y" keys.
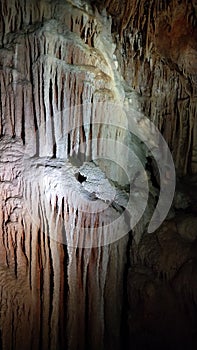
{"x": 35, "y": 264}
{"x": 61, "y": 83}
{"x": 139, "y": 59}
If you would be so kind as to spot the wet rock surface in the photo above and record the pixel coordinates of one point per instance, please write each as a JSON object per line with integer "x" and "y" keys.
{"x": 156, "y": 51}
{"x": 140, "y": 291}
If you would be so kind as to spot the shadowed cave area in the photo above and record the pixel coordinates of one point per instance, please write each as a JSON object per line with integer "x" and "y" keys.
{"x": 98, "y": 174}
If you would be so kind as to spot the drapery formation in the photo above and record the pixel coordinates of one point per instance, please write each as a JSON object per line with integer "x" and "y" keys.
{"x": 101, "y": 56}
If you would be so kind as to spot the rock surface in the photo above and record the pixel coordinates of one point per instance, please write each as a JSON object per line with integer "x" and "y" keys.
{"x": 156, "y": 47}
{"x": 97, "y": 57}
{"x": 55, "y": 296}
{"x": 162, "y": 280}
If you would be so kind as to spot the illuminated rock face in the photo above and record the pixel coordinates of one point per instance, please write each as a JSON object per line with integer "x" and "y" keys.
{"x": 157, "y": 57}
{"x": 53, "y": 56}
{"x": 52, "y": 293}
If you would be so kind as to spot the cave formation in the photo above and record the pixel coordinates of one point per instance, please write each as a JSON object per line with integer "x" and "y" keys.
{"x": 82, "y": 85}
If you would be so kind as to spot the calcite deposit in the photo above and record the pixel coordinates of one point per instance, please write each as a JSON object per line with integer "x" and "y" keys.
{"x": 82, "y": 171}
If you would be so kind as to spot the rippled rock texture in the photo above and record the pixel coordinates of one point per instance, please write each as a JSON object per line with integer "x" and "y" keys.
{"x": 157, "y": 52}
{"x": 55, "y": 55}
{"x": 53, "y": 295}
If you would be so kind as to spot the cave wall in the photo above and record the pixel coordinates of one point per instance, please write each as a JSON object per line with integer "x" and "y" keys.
{"x": 55, "y": 55}
{"x": 157, "y": 52}
{"x": 154, "y": 51}
{"x": 44, "y": 74}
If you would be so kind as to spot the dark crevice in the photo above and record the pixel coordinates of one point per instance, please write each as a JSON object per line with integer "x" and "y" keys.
{"x": 33, "y": 98}
{"x": 63, "y": 332}
{"x": 51, "y": 292}
{"x": 80, "y": 178}
{"x": 152, "y": 167}
{"x": 1, "y": 345}
{"x": 54, "y": 150}
{"x": 23, "y": 122}
{"x": 68, "y": 144}
{"x": 15, "y": 257}
{"x": 51, "y": 98}
{"x": 86, "y": 320}
{"x": 52, "y": 118}
{"x": 125, "y": 310}
{"x": 30, "y": 257}
{"x": 41, "y": 280}
{"x": 43, "y": 94}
